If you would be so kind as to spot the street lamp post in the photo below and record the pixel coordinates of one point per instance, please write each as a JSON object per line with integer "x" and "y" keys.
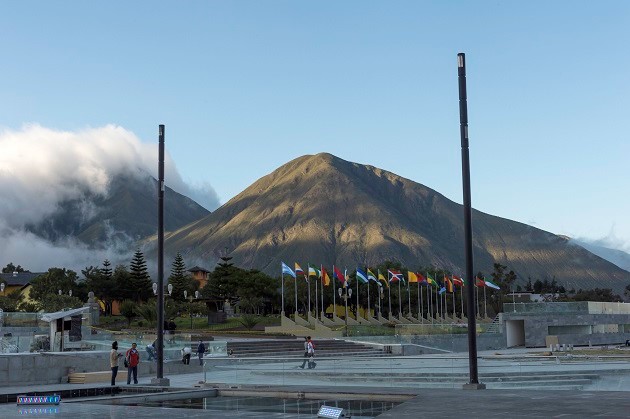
{"x": 345, "y": 296}
{"x": 189, "y": 306}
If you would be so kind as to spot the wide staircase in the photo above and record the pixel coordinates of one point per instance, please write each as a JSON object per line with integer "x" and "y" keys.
{"x": 284, "y": 348}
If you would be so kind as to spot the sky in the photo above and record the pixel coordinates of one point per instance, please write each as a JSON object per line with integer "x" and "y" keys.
{"x": 246, "y": 86}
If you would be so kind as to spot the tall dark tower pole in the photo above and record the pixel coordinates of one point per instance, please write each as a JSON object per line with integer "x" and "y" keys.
{"x": 160, "y": 289}
{"x": 470, "y": 290}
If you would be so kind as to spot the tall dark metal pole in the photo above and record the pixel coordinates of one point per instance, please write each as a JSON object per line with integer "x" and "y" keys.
{"x": 160, "y": 290}
{"x": 470, "y": 290}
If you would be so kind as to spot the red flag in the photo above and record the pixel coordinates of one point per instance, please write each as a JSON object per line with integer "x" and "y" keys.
{"x": 338, "y": 275}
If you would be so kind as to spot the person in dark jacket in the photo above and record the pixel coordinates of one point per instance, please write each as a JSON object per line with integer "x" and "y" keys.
{"x": 201, "y": 349}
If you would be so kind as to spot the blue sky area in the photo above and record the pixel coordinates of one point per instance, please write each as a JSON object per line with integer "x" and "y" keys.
{"x": 245, "y": 86}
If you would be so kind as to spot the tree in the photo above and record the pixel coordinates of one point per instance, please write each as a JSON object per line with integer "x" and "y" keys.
{"x": 52, "y": 282}
{"x": 251, "y": 290}
{"x": 139, "y": 277}
{"x": 128, "y": 310}
{"x": 148, "y": 311}
{"x": 56, "y": 302}
{"x": 10, "y": 268}
{"x": 101, "y": 283}
{"x": 181, "y": 280}
{"x": 123, "y": 288}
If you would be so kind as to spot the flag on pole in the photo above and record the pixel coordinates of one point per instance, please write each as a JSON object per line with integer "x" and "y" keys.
{"x": 325, "y": 277}
{"x": 287, "y": 270}
{"x": 431, "y": 281}
{"x": 421, "y": 279}
{"x": 371, "y": 276}
{"x": 442, "y": 291}
{"x": 313, "y": 271}
{"x": 338, "y": 275}
{"x": 412, "y": 276}
{"x": 491, "y": 285}
{"x": 298, "y": 270}
{"x": 362, "y": 275}
{"x": 382, "y": 278}
{"x": 480, "y": 282}
{"x": 458, "y": 281}
{"x": 395, "y": 276}
{"x": 448, "y": 284}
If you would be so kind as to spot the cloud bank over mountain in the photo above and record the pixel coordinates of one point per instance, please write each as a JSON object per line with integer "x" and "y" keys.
{"x": 40, "y": 168}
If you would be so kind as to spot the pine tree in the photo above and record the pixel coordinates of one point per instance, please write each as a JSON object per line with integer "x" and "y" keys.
{"x": 180, "y": 279}
{"x": 107, "y": 270}
{"x": 139, "y": 277}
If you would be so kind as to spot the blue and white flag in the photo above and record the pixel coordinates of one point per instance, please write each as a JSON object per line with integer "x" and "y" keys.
{"x": 362, "y": 275}
{"x": 287, "y": 270}
{"x": 442, "y": 290}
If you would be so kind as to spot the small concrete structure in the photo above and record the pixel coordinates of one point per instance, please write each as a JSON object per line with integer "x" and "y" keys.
{"x": 57, "y": 322}
{"x": 571, "y": 323}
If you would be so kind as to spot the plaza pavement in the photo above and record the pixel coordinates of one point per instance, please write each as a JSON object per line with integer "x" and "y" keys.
{"x": 608, "y": 398}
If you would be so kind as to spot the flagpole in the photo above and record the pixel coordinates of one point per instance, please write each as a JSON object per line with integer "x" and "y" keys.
{"x": 461, "y": 298}
{"x": 296, "y": 305}
{"x": 357, "y": 279}
{"x": 282, "y": 294}
{"x": 308, "y": 284}
{"x": 316, "y": 315}
{"x": 420, "y": 303}
{"x": 453, "y": 296}
{"x": 368, "y": 315}
{"x": 389, "y": 292}
{"x": 485, "y": 307}
{"x": 429, "y": 299}
{"x": 399, "y": 301}
{"x": 334, "y": 292}
{"x": 409, "y": 297}
{"x": 321, "y": 276}
{"x": 476, "y": 297}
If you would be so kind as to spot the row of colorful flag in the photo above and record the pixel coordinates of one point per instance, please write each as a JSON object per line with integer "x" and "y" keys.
{"x": 448, "y": 284}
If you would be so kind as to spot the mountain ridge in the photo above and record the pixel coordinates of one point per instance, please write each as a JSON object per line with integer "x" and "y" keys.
{"x": 325, "y": 209}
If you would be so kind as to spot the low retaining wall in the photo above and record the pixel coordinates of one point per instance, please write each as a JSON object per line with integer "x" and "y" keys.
{"x": 54, "y": 367}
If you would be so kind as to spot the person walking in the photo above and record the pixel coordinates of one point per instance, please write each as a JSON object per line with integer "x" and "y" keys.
{"x": 114, "y": 355}
{"x": 310, "y": 348}
{"x": 201, "y": 349}
{"x": 133, "y": 359}
{"x": 305, "y": 352}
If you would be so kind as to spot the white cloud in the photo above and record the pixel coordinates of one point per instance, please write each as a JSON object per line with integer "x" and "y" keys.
{"x": 42, "y": 167}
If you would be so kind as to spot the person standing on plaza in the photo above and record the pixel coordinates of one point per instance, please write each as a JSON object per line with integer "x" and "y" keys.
{"x": 133, "y": 359}
{"x": 305, "y": 352}
{"x": 113, "y": 361}
{"x": 201, "y": 349}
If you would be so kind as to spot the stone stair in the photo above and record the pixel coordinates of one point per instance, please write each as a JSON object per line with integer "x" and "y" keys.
{"x": 538, "y": 380}
{"x": 494, "y": 327}
{"x": 295, "y": 348}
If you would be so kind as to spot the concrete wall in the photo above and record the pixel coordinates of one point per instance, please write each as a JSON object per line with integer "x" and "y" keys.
{"x": 52, "y": 367}
{"x": 537, "y": 328}
{"x": 455, "y": 343}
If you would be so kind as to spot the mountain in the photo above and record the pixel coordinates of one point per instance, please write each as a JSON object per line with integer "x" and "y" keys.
{"x": 325, "y": 210}
{"x": 618, "y": 257}
{"x": 127, "y": 212}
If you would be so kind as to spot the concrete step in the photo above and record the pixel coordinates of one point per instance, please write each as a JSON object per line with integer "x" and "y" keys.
{"x": 542, "y": 383}
{"x": 319, "y": 354}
